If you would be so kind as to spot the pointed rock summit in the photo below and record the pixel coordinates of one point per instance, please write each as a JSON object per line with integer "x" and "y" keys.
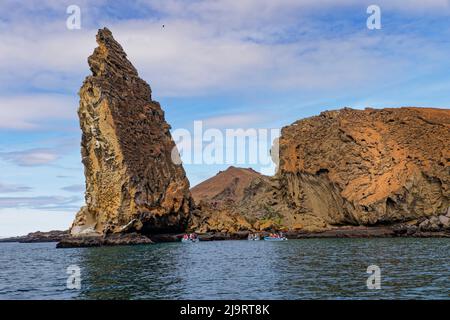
{"x": 132, "y": 184}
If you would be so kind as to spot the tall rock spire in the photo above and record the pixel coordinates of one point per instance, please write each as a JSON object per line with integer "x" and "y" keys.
{"x": 132, "y": 183}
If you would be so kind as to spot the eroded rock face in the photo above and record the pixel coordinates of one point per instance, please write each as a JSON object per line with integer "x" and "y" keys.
{"x": 367, "y": 167}
{"x": 132, "y": 183}
{"x": 341, "y": 168}
{"x": 241, "y": 199}
{"x": 223, "y": 201}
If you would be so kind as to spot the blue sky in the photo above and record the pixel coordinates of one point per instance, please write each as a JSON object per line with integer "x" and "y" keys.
{"x": 234, "y": 64}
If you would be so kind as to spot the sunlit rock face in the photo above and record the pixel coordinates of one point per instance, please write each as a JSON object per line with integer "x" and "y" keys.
{"x": 343, "y": 167}
{"x": 132, "y": 184}
{"x": 368, "y": 167}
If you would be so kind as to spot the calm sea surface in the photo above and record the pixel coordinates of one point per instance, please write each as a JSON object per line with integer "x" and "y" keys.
{"x": 296, "y": 269}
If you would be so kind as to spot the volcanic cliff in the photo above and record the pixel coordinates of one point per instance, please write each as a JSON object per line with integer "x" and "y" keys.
{"x": 367, "y": 167}
{"x": 132, "y": 184}
{"x": 342, "y": 168}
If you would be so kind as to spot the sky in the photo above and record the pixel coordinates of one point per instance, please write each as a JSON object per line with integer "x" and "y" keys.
{"x": 232, "y": 64}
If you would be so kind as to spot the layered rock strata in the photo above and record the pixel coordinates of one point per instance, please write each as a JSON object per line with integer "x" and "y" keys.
{"x": 368, "y": 167}
{"x": 132, "y": 184}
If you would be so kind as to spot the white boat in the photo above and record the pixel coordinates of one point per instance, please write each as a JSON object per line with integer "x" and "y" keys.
{"x": 190, "y": 240}
{"x": 253, "y": 237}
{"x": 275, "y": 238}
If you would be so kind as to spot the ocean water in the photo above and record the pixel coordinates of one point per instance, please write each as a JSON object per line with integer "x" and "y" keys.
{"x": 296, "y": 269}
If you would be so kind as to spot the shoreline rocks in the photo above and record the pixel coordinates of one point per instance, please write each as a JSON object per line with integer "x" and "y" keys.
{"x": 100, "y": 241}
{"x": 423, "y": 227}
{"x": 38, "y": 236}
{"x": 406, "y": 230}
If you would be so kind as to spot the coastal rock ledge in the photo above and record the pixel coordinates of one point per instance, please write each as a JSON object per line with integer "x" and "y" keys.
{"x": 132, "y": 184}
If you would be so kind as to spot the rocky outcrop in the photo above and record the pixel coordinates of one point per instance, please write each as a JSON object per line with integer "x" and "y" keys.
{"x": 118, "y": 239}
{"x": 347, "y": 167}
{"x": 424, "y": 226}
{"x": 241, "y": 199}
{"x": 39, "y": 236}
{"x": 342, "y": 168}
{"x": 132, "y": 184}
{"x": 222, "y": 201}
{"x": 367, "y": 167}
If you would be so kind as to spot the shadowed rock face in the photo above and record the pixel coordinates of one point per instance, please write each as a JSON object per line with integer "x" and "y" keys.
{"x": 131, "y": 182}
{"x": 368, "y": 166}
{"x": 241, "y": 199}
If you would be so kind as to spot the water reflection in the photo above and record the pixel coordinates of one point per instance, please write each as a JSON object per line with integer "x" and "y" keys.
{"x": 116, "y": 273}
{"x": 300, "y": 269}
{"x": 217, "y": 269}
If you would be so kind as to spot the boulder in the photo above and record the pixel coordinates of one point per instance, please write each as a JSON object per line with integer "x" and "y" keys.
{"x": 445, "y": 221}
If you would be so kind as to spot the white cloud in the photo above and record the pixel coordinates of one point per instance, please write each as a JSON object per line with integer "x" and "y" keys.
{"x": 187, "y": 58}
{"x": 217, "y": 46}
{"x": 20, "y": 221}
{"x": 253, "y": 11}
{"x": 236, "y": 120}
{"x": 41, "y": 202}
{"x": 13, "y": 188}
{"x": 34, "y": 111}
{"x": 32, "y": 157}
{"x": 76, "y": 188}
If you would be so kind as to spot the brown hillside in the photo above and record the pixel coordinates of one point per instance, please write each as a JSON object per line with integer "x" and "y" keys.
{"x": 230, "y": 184}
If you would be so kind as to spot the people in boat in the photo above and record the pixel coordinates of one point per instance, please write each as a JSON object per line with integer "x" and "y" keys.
{"x": 276, "y": 235}
{"x": 192, "y": 236}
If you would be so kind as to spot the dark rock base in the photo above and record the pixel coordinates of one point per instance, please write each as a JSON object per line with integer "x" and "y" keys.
{"x": 337, "y": 232}
{"x": 110, "y": 240}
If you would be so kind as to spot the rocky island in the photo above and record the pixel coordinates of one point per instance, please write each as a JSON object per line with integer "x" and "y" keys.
{"x": 132, "y": 185}
{"x": 343, "y": 173}
{"x": 38, "y": 236}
